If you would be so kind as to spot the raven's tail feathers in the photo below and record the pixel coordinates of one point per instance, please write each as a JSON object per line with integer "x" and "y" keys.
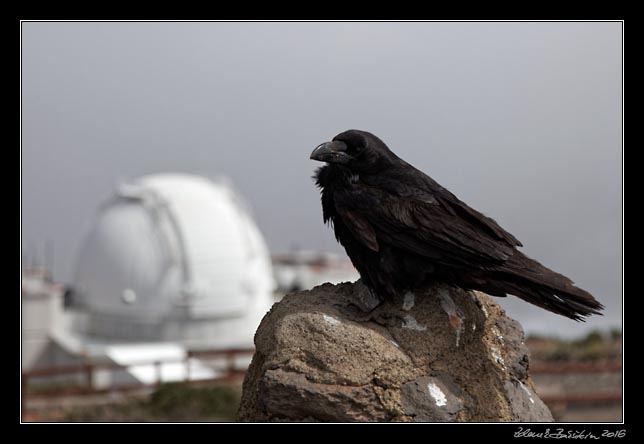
{"x": 529, "y": 280}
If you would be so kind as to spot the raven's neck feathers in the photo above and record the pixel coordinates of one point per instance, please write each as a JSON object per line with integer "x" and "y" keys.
{"x": 329, "y": 178}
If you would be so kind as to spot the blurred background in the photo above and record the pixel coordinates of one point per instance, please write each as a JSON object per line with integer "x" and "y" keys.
{"x": 167, "y": 198}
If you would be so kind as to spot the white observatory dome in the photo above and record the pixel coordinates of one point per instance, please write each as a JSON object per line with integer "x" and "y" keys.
{"x": 174, "y": 257}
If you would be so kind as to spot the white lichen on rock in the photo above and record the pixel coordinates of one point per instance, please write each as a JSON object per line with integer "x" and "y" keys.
{"x": 331, "y": 320}
{"x": 408, "y": 302}
{"x": 436, "y": 393}
{"x": 410, "y": 322}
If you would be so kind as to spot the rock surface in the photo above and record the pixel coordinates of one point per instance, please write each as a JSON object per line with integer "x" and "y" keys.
{"x": 441, "y": 354}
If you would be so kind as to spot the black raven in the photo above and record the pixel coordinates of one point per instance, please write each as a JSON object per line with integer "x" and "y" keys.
{"x": 402, "y": 230}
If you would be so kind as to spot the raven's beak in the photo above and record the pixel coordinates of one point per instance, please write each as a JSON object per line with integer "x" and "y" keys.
{"x": 332, "y": 152}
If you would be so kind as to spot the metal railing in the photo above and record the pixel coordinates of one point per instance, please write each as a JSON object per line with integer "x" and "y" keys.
{"x": 576, "y": 367}
{"x": 579, "y": 368}
{"x": 226, "y": 371}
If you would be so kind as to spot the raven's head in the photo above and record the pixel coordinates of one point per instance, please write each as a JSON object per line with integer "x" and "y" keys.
{"x": 356, "y": 150}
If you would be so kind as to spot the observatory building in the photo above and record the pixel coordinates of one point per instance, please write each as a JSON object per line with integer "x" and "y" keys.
{"x": 173, "y": 257}
{"x": 170, "y": 264}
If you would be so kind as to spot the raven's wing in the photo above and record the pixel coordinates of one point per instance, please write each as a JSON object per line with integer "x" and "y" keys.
{"x": 410, "y": 182}
{"x": 432, "y": 224}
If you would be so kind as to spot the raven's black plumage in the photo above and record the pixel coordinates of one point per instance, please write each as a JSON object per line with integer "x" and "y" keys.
{"x": 401, "y": 230}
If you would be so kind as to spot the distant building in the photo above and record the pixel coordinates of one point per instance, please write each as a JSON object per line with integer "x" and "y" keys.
{"x": 173, "y": 257}
{"x": 171, "y": 262}
{"x": 42, "y": 312}
{"x": 304, "y": 270}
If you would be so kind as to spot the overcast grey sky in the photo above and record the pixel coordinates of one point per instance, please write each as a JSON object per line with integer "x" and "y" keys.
{"x": 521, "y": 120}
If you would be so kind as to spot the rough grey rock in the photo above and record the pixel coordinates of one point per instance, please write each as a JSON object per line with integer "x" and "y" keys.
{"x": 436, "y": 355}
